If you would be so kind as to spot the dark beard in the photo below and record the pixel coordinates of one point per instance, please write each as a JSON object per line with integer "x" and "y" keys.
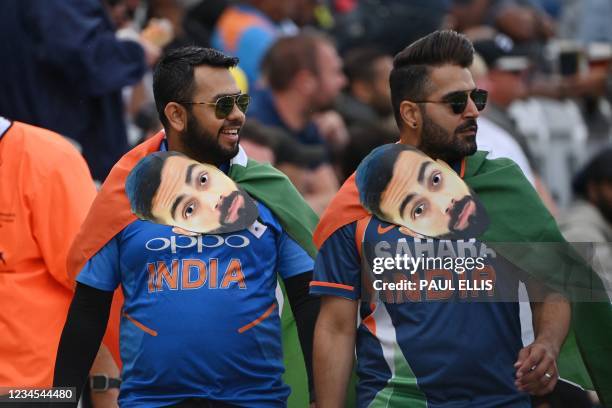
{"x": 246, "y": 215}
{"x": 439, "y": 144}
{"x": 477, "y": 223}
{"x": 202, "y": 146}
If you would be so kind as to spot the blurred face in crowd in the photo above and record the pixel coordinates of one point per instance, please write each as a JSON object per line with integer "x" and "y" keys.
{"x": 207, "y": 137}
{"x": 275, "y": 9}
{"x": 330, "y": 77}
{"x": 429, "y": 198}
{"x": 445, "y": 134}
{"x": 303, "y": 14}
{"x": 381, "y": 92}
{"x": 506, "y": 86}
{"x": 468, "y": 13}
{"x": 600, "y": 194}
{"x": 200, "y": 198}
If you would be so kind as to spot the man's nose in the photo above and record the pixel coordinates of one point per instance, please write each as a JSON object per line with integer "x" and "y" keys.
{"x": 236, "y": 114}
{"x": 213, "y": 201}
{"x": 444, "y": 203}
{"x": 471, "y": 111}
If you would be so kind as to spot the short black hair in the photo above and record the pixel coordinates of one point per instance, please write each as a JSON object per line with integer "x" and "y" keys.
{"x": 375, "y": 172}
{"x": 412, "y": 66}
{"x": 143, "y": 181}
{"x": 173, "y": 79}
{"x": 597, "y": 170}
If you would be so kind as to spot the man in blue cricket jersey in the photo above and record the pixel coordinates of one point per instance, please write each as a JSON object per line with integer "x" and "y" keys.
{"x": 200, "y": 323}
{"x": 430, "y": 346}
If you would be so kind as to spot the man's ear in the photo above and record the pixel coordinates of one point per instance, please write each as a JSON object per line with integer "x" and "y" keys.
{"x": 411, "y": 114}
{"x": 176, "y": 115}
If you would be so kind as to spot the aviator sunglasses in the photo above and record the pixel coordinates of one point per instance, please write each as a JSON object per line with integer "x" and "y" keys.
{"x": 225, "y": 104}
{"x": 458, "y": 100}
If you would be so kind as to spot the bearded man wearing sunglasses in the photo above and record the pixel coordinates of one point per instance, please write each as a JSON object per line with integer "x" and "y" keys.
{"x": 200, "y": 322}
{"x": 454, "y": 354}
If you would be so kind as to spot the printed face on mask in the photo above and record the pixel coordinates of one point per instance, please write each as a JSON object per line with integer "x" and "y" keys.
{"x": 194, "y": 196}
{"x": 424, "y": 195}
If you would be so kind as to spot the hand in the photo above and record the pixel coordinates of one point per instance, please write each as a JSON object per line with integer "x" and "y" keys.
{"x": 152, "y": 52}
{"x": 158, "y": 32}
{"x": 332, "y": 128}
{"x": 536, "y": 369}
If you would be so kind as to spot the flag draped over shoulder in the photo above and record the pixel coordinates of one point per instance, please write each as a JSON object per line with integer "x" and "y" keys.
{"x": 110, "y": 213}
{"x": 517, "y": 215}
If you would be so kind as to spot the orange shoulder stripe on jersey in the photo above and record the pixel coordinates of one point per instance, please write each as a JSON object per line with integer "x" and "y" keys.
{"x": 360, "y": 230}
{"x": 332, "y": 285}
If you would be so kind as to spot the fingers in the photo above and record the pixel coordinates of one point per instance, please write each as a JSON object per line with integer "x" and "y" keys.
{"x": 531, "y": 361}
{"x": 548, "y": 386}
{"x": 537, "y": 373}
{"x": 522, "y": 356}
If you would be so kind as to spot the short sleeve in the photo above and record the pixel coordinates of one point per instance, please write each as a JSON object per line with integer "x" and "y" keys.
{"x": 337, "y": 270}
{"x": 292, "y": 259}
{"x": 102, "y": 270}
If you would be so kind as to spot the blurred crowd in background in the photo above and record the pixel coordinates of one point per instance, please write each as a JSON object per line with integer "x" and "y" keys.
{"x": 317, "y": 71}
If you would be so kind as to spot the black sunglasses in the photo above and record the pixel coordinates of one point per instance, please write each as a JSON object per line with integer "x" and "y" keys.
{"x": 458, "y": 100}
{"x": 225, "y": 104}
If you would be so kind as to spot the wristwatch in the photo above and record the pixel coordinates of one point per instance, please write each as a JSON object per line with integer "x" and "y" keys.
{"x": 102, "y": 382}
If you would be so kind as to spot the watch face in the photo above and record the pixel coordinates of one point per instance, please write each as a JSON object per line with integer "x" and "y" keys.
{"x": 99, "y": 382}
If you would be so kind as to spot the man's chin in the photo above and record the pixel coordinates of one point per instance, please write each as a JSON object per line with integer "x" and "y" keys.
{"x": 229, "y": 150}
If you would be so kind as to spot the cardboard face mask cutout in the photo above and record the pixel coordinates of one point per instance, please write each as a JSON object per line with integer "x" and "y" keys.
{"x": 170, "y": 188}
{"x": 402, "y": 185}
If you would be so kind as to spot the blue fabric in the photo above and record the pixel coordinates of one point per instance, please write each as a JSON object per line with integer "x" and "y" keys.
{"x": 262, "y": 108}
{"x": 63, "y": 69}
{"x": 253, "y": 42}
{"x": 196, "y": 293}
{"x": 461, "y": 352}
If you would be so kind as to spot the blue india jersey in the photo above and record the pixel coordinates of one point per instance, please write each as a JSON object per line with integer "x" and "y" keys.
{"x": 200, "y": 318}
